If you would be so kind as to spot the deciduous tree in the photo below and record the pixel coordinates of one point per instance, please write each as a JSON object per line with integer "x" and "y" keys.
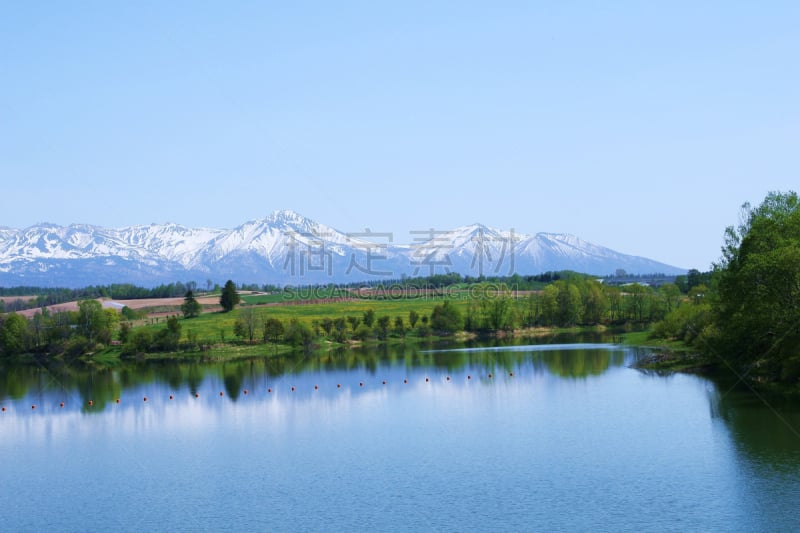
{"x": 758, "y": 299}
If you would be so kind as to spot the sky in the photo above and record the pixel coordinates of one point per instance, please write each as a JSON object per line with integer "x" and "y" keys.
{"x": 640, "y": 126}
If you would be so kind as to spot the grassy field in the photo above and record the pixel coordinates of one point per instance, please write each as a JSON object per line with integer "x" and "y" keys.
{"x": 216, "y": 327}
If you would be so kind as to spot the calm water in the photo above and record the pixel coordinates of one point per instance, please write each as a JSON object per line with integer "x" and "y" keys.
{"x": 564, "y": 437}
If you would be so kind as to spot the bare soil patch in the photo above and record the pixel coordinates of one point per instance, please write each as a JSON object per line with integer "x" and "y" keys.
{"x": 15, "y": 298}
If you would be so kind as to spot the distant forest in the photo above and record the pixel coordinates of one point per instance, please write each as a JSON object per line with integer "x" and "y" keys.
{"x": 44, "y": 296}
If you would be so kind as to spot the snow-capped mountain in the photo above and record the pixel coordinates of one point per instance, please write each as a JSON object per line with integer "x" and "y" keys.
{"x": 289, "y": 249}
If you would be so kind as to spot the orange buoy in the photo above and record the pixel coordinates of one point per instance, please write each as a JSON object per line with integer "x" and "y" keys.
{"x": 61, "y": 404}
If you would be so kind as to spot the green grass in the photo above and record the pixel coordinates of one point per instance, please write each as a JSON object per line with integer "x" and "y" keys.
{"x": 210, "y": 327}
{"x": 225, "y": 352}
{"x": 643, "y": 339}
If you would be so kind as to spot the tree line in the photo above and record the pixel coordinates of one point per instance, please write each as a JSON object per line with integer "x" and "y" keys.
{"x": 574, "y": 300}
{"x": 745, "y": 317}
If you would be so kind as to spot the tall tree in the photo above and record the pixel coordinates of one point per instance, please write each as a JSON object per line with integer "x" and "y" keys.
{"x": 247, "y": 323}
{"x": 568, "y": 303}
{"x": 93, "y": 322}
{"x": 595, "y": 302}
{"x": 229, "y": 298}
{"x": 548, "y": 303}
{"x": 190, "y": 307}
{"x": 758, "y": 298}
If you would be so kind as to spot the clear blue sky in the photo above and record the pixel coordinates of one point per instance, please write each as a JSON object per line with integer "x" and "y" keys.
{"x": 642, "y": 126}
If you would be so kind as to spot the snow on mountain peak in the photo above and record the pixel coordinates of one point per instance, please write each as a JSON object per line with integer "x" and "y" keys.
{"x": 266, "y": 249}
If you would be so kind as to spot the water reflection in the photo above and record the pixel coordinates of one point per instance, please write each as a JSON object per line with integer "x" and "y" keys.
{"x": 402, "y": 424}
{"x": 96, "y": 387}
{"x": 765, "y": 427}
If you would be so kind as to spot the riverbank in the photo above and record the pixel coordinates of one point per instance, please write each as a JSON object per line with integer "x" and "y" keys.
{"x": 676, "y": 357}
{"x": 111, "y": 356}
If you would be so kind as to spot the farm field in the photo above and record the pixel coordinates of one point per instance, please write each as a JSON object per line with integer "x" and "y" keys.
{"x": 216, "y": 325}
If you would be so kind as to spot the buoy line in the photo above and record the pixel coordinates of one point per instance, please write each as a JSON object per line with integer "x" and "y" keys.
{"x": 271, "y": 390}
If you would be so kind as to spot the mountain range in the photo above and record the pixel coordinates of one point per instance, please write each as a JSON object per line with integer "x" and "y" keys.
{"x": 286, "y": 248}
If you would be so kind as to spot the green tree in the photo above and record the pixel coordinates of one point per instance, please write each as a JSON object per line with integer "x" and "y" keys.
{"x": 615, "y": 309}
{"x": 15, "y": 335}
{"x": 757, "y": 302}
{"x": 191, "y": 307}
{"x": 500, "y": 316}
{"x": 693, "y": 278}
{"x": 339, "y": 329}
{"x": 124, "y": 332}
{"x": 229, "y": 298}
{"x": 139, "y": 341}
{"x": 247, "y": 323}
{"x": 273, "y": 330}
{"x": 413, "y": 316}
{"x": 548, "y": 302}
{"x": 384, "y": 321}
{"x": 362, "y": 332}
{"x": 369, "y": 318}
{"x": 399, "y": 326}
{"x": 299, "y": 335}
{"x": 636, "y": 300}
{"x": 353, "y": 322}
{"x": 168, "y": 338}
{"x": 129, "y": 314}
{"x": 671, "y": 295}
{"x": 686, "y": 322}
{"x": 698, "y": 294}
{"x": 595, "y": 303}
{"x": 446, "y": 318}
{"x": 93, "y": 321}
{"x": 568, "y": 303}
{"x": 327, "y": 325}
{"x": 532, "y": 310}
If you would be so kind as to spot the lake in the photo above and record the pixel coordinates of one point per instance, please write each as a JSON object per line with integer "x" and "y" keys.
{"x": 543, "y": 437}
